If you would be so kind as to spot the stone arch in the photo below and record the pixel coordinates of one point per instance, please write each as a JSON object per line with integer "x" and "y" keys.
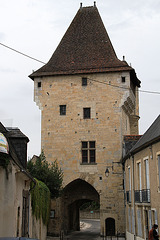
{"x": 75, "y": 194}
{"x": 110, "y": 226}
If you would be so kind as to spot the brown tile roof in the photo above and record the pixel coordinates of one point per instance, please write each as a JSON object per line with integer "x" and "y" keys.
{"x": 85, "y": 48}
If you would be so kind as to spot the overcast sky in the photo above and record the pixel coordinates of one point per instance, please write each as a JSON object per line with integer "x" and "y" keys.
{"x": 35, "y": 27}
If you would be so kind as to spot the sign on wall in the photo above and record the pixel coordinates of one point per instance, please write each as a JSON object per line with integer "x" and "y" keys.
{"x": 3, "y": 144}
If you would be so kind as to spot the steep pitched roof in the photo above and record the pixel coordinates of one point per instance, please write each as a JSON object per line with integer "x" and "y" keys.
{"x": 149, "y": 137}
{"x": 85, "y": 48}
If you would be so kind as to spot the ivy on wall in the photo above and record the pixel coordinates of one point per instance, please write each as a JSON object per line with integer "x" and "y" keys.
{"x": 40, "y": 201}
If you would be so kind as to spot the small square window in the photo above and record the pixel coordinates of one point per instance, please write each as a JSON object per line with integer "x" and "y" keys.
{"x": 39, "y": 84}
{"x": 62, "y": 109}
{"x": 123, "y": 79}
{"x": 86, "y": 113}
{"x": 84, "y": 81}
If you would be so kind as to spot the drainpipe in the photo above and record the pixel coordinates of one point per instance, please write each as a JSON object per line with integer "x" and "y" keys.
{"x": 133, "y": 197}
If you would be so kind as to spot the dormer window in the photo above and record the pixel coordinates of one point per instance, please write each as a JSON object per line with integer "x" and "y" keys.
{"x": 84, "y": 81}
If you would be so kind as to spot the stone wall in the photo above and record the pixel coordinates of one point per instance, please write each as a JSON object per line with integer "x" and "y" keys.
{"x": 62, "y": 135}
{"x": 90, "y": 214}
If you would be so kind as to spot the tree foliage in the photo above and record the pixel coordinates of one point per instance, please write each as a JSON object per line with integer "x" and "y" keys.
{"x": 49, "y": 173}
{"x": 90, "y": 205}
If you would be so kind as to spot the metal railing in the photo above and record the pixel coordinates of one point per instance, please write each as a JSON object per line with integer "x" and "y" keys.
{"x": 142, "y": 196}
{"x": 146, "y": 195}
{"x": 116, "y": 237}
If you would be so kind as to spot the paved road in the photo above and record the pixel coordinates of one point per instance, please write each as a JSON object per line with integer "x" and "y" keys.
{"x": 90, "y": 229}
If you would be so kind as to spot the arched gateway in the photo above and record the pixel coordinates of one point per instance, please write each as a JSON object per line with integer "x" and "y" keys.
{"x": 89, "y": 100}
{"x": 75, "y": 194}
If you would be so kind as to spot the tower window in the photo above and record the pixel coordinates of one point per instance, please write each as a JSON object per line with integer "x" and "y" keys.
{"x": 123, "y": 79}
{"x": 89, "y": 152}
{"x": 39, "y": 84}
{"x": 84, "y": 81}
{"x": 62, "y": 109}
{"x": 86, "y": 113}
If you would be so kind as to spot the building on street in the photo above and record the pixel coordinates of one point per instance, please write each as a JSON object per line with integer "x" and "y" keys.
{"x": 142, "y": 178}
{"x": 88, "y": 100}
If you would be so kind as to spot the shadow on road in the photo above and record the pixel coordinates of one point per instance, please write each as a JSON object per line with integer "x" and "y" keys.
{"x": 90, "y": 229}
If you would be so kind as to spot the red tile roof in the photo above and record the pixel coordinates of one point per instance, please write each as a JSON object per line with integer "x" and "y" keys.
{"x": 85, "y": 48}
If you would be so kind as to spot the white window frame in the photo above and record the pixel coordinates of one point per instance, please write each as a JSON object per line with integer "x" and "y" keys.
{"x": 146, "y": 175}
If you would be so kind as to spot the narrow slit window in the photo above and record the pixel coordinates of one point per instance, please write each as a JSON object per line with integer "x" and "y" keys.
{"x": 123, "y": 79}
{"x": 84, "y": 81}
{"x": 62, "y": 109}
{"x": 39, "y": 84}
{"x": 86, "y": 113}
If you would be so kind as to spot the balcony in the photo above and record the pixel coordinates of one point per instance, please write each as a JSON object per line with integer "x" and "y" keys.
{"x": 142, "y": 196}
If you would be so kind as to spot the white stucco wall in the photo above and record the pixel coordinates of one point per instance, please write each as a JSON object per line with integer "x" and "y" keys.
{"x": 11, "y": 198}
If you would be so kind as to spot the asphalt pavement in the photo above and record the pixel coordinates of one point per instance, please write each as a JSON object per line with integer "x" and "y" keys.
{"x": 90, "y": 229}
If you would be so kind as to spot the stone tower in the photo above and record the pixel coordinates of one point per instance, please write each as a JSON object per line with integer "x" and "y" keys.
{"x": 89, "y": 100}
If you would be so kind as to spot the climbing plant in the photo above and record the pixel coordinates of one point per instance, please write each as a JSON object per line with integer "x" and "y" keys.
{"x": 49, "y": 173}
{"x": 40, "y": 201}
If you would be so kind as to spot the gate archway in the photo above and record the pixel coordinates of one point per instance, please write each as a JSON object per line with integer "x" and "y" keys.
{"x": 76, "y": 194}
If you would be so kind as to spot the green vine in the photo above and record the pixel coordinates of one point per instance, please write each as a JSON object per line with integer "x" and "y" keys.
{"x": 40, "y": 201}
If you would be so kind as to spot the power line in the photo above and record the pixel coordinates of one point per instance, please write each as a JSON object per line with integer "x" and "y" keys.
{"x": 144, "y": 91}
{"x": 21, "y": 53}
{"x": 109, "y": 84}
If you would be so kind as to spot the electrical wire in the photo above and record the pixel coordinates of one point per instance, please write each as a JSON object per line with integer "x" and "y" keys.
{"x": 109, "y": 84}
{"x": 21, "y": 53}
